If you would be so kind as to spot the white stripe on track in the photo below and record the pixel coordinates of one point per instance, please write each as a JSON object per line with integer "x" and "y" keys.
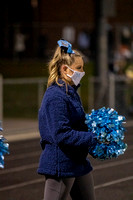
{"x": 113, "y": 164}
{"x": 35, "y": 165}
{"x": 129, "y": 178}
{"x": 21, "y": 156}
{"x": 23, "y": 136}
{"x": 19, "y": 185}
{"x": 18, "y": 169}
{"x": 35, "y": 153}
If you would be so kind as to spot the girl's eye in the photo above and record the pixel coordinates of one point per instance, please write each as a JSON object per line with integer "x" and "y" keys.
{"x": 79, "y": 67}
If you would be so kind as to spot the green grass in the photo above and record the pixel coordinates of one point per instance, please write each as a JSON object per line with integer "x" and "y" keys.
{"x": 20, "y": 101}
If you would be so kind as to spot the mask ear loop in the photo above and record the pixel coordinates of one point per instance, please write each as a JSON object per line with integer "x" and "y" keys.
{"x": 69, "y": 68}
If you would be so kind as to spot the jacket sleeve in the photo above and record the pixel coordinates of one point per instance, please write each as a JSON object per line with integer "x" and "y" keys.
{"x": 56, "y": 117}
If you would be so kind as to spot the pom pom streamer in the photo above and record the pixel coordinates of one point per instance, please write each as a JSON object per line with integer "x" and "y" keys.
{"x": 108, "y": 130}
{"x": 4, "y": 149}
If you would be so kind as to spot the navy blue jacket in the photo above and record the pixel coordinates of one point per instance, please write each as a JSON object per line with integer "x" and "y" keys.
{"x": 64, "y": 136}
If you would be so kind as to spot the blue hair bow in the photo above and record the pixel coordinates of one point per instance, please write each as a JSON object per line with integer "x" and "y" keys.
{"x": 65, "y": 44}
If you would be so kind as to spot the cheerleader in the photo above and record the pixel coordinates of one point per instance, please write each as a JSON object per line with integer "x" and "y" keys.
{"x": 65, "y": 139}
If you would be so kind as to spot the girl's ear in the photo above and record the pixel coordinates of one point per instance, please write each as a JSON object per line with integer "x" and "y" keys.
{"x": 64, "y": 68}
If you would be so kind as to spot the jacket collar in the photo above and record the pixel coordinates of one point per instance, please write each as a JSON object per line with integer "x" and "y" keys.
{"x": 70, "y": 89}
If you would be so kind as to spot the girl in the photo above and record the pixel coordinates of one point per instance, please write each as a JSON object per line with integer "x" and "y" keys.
{"x": 64, "y": 136}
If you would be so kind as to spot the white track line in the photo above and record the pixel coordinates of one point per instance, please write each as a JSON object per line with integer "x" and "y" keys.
{"x": 35, "y": 153}
{"x": 19, "y": 185}
{"x": 18, "y": 169}
{"x": 113, "y": 164}
{"x": 22, "y": 136}
{"x": 129, "y": 178}
{"x": 21, "y": 156}
{"x": 35, "y": 165}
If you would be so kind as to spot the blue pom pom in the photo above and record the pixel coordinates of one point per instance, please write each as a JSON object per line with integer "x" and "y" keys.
{"x": 4, "y": 149}
{"x": 108, "y": 130}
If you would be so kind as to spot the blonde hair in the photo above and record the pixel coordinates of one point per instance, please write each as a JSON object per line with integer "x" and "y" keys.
{"x": 59, "y": 58}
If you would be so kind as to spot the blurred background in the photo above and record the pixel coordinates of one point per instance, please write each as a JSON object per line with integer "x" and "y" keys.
{"x": 101, "y": 30}
{"x": 29, "y": 30}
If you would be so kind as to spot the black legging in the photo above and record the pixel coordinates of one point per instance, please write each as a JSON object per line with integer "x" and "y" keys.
{"x": 60, "y": 188}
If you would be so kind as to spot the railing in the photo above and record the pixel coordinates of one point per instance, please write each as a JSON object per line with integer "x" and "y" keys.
{"x": 118, "y": 91}
{"x": 39, "y": 82}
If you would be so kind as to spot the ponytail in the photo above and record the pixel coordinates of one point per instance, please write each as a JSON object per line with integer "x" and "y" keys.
{"x": 53, "y": 68}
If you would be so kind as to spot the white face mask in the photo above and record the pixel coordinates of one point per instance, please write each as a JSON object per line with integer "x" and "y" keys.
{"x": 76, "y": 76}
